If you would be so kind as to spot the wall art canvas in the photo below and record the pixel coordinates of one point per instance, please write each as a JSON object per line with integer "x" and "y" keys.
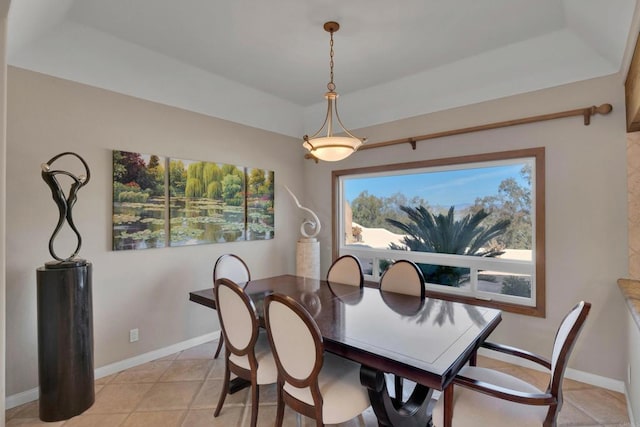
{"x": 259, "y": 204}
{"x": 138, "y": 200}
{"x": 160, "y": 202}
{"x": 207, "y": 202}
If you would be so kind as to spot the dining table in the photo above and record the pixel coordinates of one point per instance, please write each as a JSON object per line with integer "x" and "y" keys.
{"x": 424, "y": 340}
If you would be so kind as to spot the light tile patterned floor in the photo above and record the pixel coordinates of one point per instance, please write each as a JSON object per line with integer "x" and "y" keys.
{"x": 183, "y": 389}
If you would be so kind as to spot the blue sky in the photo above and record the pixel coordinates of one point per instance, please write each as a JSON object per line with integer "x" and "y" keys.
{"x": 445, "y": 188}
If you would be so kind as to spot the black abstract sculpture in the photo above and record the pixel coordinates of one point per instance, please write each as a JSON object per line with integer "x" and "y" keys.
{"x": 65, "y": 313}
{"x": 65, "y": 204}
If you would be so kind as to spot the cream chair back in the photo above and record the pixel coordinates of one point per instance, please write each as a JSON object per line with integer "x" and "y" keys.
{"x": 231, "y": 267}
{"x": 564, "y": 342}
{"x": 346, "y": 270}
{"x": 296, "y": 341}
{"x": 403, "y": 277}
{"x": 237, "y": 315}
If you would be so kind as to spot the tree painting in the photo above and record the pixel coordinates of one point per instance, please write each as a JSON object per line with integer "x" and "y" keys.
{"x": 259, "y": 204}
{"x": 206, "y": 202}
{"x": 138, "y": 200}
{"x": 216, "y": 203}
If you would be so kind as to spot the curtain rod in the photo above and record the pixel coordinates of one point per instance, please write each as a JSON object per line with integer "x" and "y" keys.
{"x": 586, "y": 113}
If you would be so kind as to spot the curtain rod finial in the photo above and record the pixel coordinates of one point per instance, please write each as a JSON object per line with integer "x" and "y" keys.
{"x": 604, "y": 109}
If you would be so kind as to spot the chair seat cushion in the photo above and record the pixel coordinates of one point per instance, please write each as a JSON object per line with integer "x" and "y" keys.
{"x": 267, "y": 370}
{"x": 343, "y": 395}
{"x": 471, "y": 406}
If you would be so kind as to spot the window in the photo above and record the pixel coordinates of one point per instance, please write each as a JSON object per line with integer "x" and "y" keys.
{"x": 473, "y": 224}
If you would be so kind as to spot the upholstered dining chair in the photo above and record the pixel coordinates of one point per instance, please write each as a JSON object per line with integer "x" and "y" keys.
{"x": 346, "y": 270}
{"x": 499, "y": 399}
{"x": 232, "y": 267}
{"x": 248, "y": 354}
{"x": 314, "y": 383}
{"x": 402, "y": 277}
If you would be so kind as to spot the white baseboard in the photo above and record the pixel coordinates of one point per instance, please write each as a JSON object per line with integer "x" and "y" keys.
{"x": 574, "y": 374}
{"x": 629, "y": 409}
{"x": 21, "y": 398}
{"x": 32, "y": 394}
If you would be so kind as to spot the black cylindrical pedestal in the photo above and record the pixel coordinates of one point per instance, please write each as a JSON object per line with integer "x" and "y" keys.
{"x": 65, "y": 340}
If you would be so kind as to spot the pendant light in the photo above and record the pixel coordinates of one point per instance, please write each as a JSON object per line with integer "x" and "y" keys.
{"x": 332, "y": 148}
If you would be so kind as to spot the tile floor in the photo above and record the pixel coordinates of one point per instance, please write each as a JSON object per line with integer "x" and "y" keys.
{"x": 183, "y": 389}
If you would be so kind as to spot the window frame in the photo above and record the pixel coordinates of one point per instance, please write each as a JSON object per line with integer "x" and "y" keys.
{"x": 538, "y": 308}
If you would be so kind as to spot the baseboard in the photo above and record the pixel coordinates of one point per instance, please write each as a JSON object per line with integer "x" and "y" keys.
{"x": 629, "y": 409}
{"x": 574, "y": 374}
{"x": 153, "y": 355}
{"x": 21, "y": 398}
{"x": 32, "y": 394}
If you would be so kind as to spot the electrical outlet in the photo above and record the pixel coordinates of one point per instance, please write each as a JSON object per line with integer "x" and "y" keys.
{"x": 134, "y": 335}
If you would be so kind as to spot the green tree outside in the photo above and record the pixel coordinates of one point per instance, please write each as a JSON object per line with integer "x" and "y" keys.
{"x": 513, "y": 202}
{"x": 372, "y": 212}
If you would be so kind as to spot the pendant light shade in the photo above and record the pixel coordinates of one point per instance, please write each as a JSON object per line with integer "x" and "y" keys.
{"x": 332, "y": 148}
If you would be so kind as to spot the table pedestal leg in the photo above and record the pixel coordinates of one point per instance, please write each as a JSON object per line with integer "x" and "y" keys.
{"x": 392, "y": 412}
{"x": 238, "y": 384}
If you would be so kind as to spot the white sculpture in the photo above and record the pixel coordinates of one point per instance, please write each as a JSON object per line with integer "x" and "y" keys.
{"x": 313, "y": 223}
{"x": 308, "y": 247}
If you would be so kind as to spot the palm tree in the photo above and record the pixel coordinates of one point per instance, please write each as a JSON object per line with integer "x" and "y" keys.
{"x": 443, "y": 234}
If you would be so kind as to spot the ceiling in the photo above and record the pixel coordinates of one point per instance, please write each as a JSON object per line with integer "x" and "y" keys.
{"x": 266, "y": 63}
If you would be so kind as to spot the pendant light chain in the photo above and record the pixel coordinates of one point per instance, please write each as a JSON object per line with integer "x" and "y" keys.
{"x": 331, "y": 86}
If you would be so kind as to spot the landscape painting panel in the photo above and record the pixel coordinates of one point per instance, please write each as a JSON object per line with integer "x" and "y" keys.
{"x": 138, "y": 201}
{"x": 259, "y": 204}
{"x": 207, "y": 202}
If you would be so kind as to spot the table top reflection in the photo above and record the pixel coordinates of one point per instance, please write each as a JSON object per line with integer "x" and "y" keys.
{"x": 425, "y": 340}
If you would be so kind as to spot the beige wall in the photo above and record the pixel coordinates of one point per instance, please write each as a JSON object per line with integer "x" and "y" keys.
{"x": 4, "y": 10}
{"x": 586, "y": 222}
{"x": 146, "y": 289}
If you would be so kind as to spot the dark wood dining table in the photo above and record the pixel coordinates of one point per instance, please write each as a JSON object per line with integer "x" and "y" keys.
{"x": 426, "y": 340}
